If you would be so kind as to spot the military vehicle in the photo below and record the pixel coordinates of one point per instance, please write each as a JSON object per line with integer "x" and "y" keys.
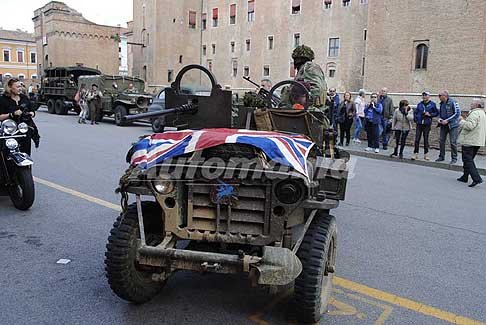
{"x": 118, "y": 99}
{"x": 59, "y": 86}
{"x": 229, "y": 198}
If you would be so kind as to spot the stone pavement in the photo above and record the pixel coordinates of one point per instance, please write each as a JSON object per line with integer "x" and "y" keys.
{"x": 359, "y": 150}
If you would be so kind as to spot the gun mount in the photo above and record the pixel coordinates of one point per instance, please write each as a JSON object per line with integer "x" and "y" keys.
{"x": 194, "y": 111}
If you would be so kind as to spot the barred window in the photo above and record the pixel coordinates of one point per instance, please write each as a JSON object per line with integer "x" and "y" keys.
{"x": 421, "y": 56}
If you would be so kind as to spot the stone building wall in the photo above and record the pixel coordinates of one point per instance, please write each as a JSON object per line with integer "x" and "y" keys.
{"x": 453, "y": 30}
{"x": 65, "y": 38}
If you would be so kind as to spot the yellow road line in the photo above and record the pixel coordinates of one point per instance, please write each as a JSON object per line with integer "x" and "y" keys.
{"x": 405, "y": 303}
{"x": 343, "y": 283}
{"x": 80, "y": 195}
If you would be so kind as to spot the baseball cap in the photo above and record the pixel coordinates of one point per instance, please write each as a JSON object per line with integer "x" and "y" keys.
{"x": 426, "y": 93}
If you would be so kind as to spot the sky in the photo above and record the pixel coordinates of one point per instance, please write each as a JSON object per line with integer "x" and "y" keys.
{"x": 18, "y": 14}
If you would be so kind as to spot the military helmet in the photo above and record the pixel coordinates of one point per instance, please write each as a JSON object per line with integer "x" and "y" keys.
{"x": 303, "y": 51}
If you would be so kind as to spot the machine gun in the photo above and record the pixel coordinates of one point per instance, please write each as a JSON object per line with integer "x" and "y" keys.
{"x": 189, "y": 108}
{"x": 263, "y": 94}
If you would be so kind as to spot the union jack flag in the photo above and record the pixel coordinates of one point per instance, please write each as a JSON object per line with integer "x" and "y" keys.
{"x": 285, "y": 149}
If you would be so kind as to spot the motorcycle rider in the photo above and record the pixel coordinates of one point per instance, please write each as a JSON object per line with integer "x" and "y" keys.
{"x": 11, "y": 103}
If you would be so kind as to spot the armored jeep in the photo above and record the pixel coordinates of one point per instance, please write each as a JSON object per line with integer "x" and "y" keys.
{"x": 229, "y": 198}
{"x": 59, "y": 86}
{"x": 118, "y": 99}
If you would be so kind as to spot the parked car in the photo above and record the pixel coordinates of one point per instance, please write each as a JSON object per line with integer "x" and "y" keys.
{"x": 158, "y": 104}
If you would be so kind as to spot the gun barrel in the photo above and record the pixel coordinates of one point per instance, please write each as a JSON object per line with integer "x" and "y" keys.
{"x": 186, "y": 108}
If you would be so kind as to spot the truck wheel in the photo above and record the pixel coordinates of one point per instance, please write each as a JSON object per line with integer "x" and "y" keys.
{"x": 59, "y": 107}
{"x": 157, "y": 125}
{"x": 317, "y": 253}
{"x": 51, "y": 106}
{"x": 128, "y": 279}
{"x": 120, "y": 112}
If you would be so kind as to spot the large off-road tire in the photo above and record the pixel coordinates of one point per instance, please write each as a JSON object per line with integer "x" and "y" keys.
{"x": 22, "y": 194}
{"x": 60, "y": 108}
{"x": 128, "y": 279}
{"x": 120, "y": 113}
{"x": 51, "y": 106}
{"x": 317, "y": 253}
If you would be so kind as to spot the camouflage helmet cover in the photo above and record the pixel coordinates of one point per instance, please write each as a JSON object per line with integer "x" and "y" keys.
{"x": 303, "y": 51}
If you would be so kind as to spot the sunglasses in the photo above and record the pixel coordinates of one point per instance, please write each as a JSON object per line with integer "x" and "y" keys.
{"x": 374, "y": 96}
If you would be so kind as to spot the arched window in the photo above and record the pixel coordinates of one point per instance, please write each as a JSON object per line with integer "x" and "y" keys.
{"x": 421, "y": 55}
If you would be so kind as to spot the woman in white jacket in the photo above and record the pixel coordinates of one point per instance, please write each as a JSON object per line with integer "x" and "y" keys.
{"x": 401, "y": 124}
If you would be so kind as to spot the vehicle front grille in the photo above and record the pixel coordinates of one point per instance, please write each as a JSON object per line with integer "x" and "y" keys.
{"x": 248, "y": 213}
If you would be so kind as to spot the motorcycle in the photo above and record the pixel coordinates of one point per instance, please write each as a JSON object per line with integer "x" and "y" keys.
{"x": 15, "y": 166}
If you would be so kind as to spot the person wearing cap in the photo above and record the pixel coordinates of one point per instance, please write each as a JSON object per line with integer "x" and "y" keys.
{"x": 472, "y": 137}
{"x": 449, "y": 113}
{"x": 94, "y": 100}
{"x": 424, "y": 113}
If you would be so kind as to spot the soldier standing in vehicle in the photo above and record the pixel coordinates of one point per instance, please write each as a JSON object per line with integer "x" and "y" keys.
{"x": 310, "y": 73}
{"x": 94, "y": 99}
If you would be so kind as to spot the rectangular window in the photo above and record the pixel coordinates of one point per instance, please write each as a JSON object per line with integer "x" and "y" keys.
{"x": 192, "y": 19}
{"x": 233, "y": 14}
{"x": 292, "y": 70}
{"x": 232, "y": 47}
{"x": 296, "y": 40}
{"x": 346, "y": 3}
{"x": 215, "y": 17}
{"x": 365, "y": 34}
{"x": 204, "y": 50}
{"x": 327, "y": 4}
{"x": 248, "y": 45}
{"x": 295, "y": 7}
{"x": 213, "y": 46}
{"x": 6, "y": 55}
{"x": 332, "y": 73}
{"x": 270, "y": 42}
{"x": 266, "y": 71}
{"x": 246, "y": 71}
{"x": 204, "y": 21}
{"x": 210, "y": 65}
{"x": 364, "y": 2}
{"x": 251, "y": 10}
{"x": 333, "y": 47}
{"x": 363, "y": 66}
{"x": 170, "y": 74}
{"x": 235, "y": 68}
{"x": 20, "y": 56}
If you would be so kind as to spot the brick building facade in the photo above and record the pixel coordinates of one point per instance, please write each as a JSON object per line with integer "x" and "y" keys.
{"x": 359, "y": 43}
{"x": 18, "y": 58}
{"x": 65, "y": 38}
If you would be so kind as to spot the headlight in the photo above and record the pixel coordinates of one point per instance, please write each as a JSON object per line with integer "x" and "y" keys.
{"x": 23, "y": 128}
{"x": 289, "y": 192}
{"x": 12, "y": 144}
{"x": 9, "y": 126}
{"x": 163, "y": 187}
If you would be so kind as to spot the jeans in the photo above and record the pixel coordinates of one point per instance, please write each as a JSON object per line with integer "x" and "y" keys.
{"x": 425, "y": 131}
{"x": 84, "y": 110}
{"x": 468, "y": 155}
{"x": 358, "y": 126}
{"x": 401, "y": 138}
{"x": 383, "y": 131}
{"x": 345, "y": 131}
{"x": 373, "y": 135}
{"x": 453, "y": 134}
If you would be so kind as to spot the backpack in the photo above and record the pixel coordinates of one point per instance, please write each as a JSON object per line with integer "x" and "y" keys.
{"x": 77, "y": 97}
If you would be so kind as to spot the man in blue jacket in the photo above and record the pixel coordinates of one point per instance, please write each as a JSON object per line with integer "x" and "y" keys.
{"x": 424, "y": 113}
{"x": 374, "y": 117}
{"x": 449, "y": 115}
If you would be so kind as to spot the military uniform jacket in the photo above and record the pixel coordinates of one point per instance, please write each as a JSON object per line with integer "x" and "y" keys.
{"x": 312, "y": 74}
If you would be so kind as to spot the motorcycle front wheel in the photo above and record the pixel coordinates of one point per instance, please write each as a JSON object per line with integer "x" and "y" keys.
{"x": 22, "y": 193}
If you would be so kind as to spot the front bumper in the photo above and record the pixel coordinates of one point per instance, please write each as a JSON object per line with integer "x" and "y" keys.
{"x": 277, "y": 266}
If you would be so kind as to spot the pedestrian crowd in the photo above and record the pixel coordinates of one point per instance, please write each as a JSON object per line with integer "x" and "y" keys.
{"x": 378, "y": 117}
